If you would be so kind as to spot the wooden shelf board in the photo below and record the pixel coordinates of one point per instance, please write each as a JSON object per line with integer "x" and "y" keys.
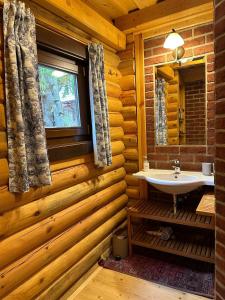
{"x": 187, "y": 247}
{"x": 206, "y": 206}
{"x": 163, "y": 212}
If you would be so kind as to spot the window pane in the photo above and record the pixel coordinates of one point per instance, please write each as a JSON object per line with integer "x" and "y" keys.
{"x": 60, "y": 98}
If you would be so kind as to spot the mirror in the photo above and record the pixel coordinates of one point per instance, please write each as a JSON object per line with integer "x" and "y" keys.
{"x": 180, "y": 103}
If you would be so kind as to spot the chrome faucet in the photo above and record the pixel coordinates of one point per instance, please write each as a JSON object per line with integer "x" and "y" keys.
{"x": 176, "y": 166}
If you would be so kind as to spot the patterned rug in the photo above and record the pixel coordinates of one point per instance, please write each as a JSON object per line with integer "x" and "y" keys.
{"x": 186, "y": 275}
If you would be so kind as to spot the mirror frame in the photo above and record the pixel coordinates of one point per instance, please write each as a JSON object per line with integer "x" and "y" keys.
{"x": 155, "y": 66}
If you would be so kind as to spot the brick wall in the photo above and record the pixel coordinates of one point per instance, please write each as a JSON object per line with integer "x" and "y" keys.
{"x": 198, "y": 41}
{"x": 195, "y": 112}
{"x": 220, "y": 147}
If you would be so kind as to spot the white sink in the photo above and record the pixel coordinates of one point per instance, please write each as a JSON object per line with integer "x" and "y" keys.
{"x": 167, "y": 182}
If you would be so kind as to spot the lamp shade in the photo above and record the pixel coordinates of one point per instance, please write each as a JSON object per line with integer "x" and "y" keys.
{"x": 173, "y": 40}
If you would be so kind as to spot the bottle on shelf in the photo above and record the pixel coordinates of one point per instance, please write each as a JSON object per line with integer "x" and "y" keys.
{"x": 146, "y": 164}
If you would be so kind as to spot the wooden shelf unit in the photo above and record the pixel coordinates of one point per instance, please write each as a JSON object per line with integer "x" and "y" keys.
{"x": 188, "y": 247}
{"x": 162, "y": 211}
{"x": 182, "y": 245}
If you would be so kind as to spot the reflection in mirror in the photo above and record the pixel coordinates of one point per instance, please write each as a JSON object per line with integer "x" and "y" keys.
{"x": 180, "y": 104}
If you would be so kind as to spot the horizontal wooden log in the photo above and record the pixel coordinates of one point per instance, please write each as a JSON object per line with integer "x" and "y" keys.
{"x": 112, "y": 74}
{"x": 172, "y": 107}
{"x": 1, "y": 63}
{"x": 113, "y": 89}
{"x": 115, "y": 119}
{"x": 60, "y": 180}
{"x": 129, "y": 112}
{"x": 117, "y": 147}
{"x": 63, "y": 283}
{"x": 48, "y": 274}
{"x": 128, "y": 98}
{"x": 87, "y": 19}
{"x": 127, "y": 82}
{"x": 115, "y": 105}
{"x": 172, "y": 98}
{"x": 172, "y": 124}
{"x": 130, "y": 127}
{"x": 173, "y": 140}
{"x": 172, "y": 88}
{"x": 131, "y": 153}
{"x": 167, "y": 72}
{"x": 131, "y": 167}
{"x": 3, "y": 144}
{"x": 172, "y": 116}
{"x": 130, "y": 140}
{"x": 4, "y": 174}
{"x": 111, "y": 58}
{"x": 127, "y": 67}
{"x": 71, "y": 162}
{"x": 116, "y": 133}
{"x": 132, "y": 180}
{"x": 26, "y": 240}
{"x": 133, "y": 192}
{"x": 28, "y": 214}
{"x": 2, "y": 93}
{"x": 173, "y": 132}
{"x": 2, "y": 117}
{"x": 39, "y": 257}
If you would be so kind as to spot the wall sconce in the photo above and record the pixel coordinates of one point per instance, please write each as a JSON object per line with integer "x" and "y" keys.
{"x": 175, "y": 42}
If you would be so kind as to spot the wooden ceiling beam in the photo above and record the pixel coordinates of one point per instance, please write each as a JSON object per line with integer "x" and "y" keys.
{"x": 144, "y": 3}
{"x": 166, "y": 12}
{"x": 85, "y": 18}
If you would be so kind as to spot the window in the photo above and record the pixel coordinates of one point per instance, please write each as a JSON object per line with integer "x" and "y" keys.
{"x": 60, "y": 98}
{"x": 62, "y": 67}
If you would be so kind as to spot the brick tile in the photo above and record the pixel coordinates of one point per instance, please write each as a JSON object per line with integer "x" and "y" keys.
{"x": 195, "y": 42}
{"x": 154, "y": 42}
{"x": 155, "y": 60}
{"x": 203, "y": 29}
{"x": 203, "y": 49}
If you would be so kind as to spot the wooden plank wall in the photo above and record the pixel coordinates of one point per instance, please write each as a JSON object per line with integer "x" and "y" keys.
{"x": 129, "y": 111}
{"x": 50, "y": 236}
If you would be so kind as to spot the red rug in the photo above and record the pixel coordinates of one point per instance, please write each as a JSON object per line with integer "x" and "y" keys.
{"x": 185, "y": 275}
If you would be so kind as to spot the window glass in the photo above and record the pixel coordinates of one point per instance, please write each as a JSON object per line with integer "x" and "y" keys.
{"x": 60, "y": 97}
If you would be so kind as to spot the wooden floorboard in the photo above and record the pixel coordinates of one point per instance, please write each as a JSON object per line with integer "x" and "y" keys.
{"x": 110, "y": 285}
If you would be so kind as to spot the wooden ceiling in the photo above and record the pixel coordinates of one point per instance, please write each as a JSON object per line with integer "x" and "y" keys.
{"x": 111, "y": 9}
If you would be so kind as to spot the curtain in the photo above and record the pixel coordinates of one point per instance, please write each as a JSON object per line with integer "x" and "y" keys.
{"x": 99, "y": 106}
{"x": 27, "y": 152}
{"x": 160, "y": 112}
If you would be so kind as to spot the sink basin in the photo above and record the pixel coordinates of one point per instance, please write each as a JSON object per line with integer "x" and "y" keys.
{"x": 174, "y": 184}
{"x": 167, "y": 182}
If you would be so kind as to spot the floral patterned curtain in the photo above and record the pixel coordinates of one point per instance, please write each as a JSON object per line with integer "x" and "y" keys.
{"x": 99, "y": 106}
{"x": 27, "y": 152}
{"x": 160, "y": 112}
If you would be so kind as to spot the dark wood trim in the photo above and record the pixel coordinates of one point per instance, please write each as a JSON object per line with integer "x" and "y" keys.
{"x": 48, "y": 59}
{"x": 57, "y": 42}
{"x": 66, "y": 151}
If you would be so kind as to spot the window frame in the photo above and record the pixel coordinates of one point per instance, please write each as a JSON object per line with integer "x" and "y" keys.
{"x": 54, "y": 50}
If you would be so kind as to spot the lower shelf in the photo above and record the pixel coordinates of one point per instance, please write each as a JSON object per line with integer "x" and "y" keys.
{"x": 187, "y": 247}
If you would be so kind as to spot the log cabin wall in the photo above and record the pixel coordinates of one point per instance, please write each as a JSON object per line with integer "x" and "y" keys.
{"x": 198, "y": 41}
{"x": 51, "y": 236}
{"x": 129, "y": 111}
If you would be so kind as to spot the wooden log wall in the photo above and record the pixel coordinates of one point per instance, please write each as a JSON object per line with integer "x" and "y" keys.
{"x": 50, "y": 236}
{"x": 172, "y": 107}
{"x": 129, "y": 112}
